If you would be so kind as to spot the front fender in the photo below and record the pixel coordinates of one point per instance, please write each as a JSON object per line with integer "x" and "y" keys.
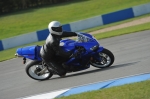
{"x": 100, "y": 49}
{"x": 95, "y": 54}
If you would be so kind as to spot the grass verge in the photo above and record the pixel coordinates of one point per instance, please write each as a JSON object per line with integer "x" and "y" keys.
{"x": 38, "y": 18}
{"x": 123, "y": 31}
{"x": 139, "y": 90}
{"x": 8, "y": 54}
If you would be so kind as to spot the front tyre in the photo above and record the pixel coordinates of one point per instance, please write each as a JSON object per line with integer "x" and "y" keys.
{"x": 37, "y": 71}
{"x": 106, "y": 59}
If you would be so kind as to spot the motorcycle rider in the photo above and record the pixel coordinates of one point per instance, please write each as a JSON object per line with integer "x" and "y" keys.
{"x": 52, "y": 47}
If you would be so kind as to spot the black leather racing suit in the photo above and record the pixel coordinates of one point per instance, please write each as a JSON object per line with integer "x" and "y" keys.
{"x": 51, "y": 48}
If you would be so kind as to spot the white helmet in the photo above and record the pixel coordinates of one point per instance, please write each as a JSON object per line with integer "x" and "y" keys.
{"x": 55, "y": 27}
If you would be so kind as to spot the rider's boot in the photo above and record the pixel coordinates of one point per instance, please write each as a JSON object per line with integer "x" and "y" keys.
{"x": 57, "y": 68}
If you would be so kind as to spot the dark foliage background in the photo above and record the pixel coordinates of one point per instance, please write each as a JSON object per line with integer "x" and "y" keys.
{"x": 7, "y": 6}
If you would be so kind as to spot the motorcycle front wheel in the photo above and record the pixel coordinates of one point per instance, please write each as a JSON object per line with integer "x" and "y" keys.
{"x": 37, "y": 71}
{"x": 106, "y": 59}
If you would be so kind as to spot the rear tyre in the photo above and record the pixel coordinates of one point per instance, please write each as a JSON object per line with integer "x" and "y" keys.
{"x": 106, "y": 59}
{"x": 33, "y": 69}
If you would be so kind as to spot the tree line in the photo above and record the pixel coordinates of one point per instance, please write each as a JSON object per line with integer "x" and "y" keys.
{"x": 7, "y": 6}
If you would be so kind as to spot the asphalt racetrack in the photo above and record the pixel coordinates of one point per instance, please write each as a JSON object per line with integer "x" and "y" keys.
{"x": 132, "y": 56}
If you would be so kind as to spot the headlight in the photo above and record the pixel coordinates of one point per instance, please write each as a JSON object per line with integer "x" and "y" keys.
{"x": 94, "y": 48}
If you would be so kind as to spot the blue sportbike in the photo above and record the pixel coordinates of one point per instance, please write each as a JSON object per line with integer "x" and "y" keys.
{"x": 86, "y": 52}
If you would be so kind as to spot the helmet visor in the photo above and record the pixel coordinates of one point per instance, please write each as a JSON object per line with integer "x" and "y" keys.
{"x": 57, "y": 29}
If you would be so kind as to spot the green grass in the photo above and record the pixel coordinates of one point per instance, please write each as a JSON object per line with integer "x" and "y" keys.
{"x": 38, "y": 18}
{"x": 8, "y": 54}
{"x": 123, "y": 31}
{"x": 139, "y": 90}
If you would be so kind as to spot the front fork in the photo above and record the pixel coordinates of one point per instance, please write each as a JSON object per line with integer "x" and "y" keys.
{"x": 95, "y": 54}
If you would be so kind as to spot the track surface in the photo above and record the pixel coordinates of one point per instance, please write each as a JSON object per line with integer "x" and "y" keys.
{"x": 132, "y": 56}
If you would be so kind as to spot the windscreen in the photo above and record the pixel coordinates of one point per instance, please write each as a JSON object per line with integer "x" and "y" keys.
{"x": 83, "y": 38}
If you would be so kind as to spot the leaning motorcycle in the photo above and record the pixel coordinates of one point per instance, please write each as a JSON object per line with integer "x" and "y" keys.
{"x": 86, "y": 52}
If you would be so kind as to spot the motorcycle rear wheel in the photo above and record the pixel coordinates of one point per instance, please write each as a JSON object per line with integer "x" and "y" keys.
{"x": 33, "y": 67}
{"x": 107, "y": 59}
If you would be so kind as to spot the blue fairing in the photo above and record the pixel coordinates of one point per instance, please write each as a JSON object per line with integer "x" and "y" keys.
{"x": 87, "y": 46}
{"x": 31, "y": 52}
{"x": 67, "y": 44}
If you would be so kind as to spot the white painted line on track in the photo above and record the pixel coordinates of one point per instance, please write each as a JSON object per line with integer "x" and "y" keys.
{"x": 50, "y": 95}
{"x": 54, "y": 94}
